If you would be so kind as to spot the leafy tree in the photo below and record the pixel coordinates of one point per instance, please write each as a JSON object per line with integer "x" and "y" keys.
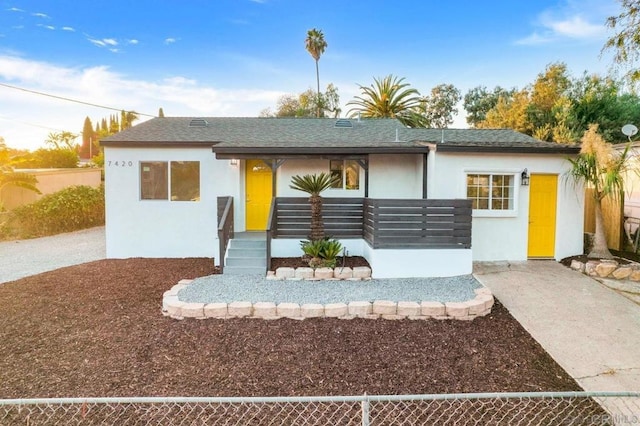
{"x": 439, "y": 108}
{"x": 62, "y": 140}
{"x": 88, "y": 139}
{"x": 601, "y": 100}
{"x": 509, "y": 112}
{"x": 127, "y": 118}
{"x": 315, "y": 45}
{"x": 478, "y": 101}
{"x": 9, "y": 177}
{"x": 304, "y": 104}
{"x": 314, "y": 185}
{"x": 549, "y": 100}
{"x": 625, "y": 42}
{"x": 602, "y": 168}
{"x": 389, "y": 97}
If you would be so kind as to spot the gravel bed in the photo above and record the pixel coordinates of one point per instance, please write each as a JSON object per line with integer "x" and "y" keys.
{"x": 230, "y": 288}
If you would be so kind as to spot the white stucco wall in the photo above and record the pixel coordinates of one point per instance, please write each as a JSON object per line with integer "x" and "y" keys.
{"x": 505, "y": 238}
{"x": 390, "y": 176}
{"x": 162, "y": 228}
{"x": 395, "y": 176}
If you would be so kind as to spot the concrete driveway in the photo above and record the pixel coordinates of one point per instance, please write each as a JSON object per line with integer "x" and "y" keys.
{"x": 589, "y": 329}
{"x": 22, "y": 258}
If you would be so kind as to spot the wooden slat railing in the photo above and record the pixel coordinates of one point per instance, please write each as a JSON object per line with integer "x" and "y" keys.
{"x": 225, "y": 225}
{"x": 383, "y": 223}
{"x": 271, "y": 229}
{"x": 433, "y": 224}
{"x": 342, "y": 217}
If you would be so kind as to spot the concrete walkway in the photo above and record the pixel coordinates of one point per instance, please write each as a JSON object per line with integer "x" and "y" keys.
{"x": 22, "y": 258}
{"x": 589, "y": 329}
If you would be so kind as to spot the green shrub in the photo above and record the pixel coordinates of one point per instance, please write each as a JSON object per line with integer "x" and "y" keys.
{"x": 322, "y": 253}
{"x": 73, "y": 208}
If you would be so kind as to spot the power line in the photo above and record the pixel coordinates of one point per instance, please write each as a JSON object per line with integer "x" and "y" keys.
{"x": 71, "y": 100}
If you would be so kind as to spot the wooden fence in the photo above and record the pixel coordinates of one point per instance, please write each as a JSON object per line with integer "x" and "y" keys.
{"x": 432, "y": 224}
{"x": 383, "y": 223}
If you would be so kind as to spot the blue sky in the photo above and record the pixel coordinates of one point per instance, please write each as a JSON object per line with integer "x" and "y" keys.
{"x": 237, "y": 57}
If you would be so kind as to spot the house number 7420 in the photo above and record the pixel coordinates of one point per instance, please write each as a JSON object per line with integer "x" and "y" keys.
{"x": 120, "y": 163}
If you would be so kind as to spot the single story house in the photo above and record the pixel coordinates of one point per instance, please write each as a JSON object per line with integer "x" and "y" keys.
{"x": 414, "y": 202}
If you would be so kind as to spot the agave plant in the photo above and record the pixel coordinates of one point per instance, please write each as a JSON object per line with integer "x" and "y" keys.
{"x": 314, "y": 185}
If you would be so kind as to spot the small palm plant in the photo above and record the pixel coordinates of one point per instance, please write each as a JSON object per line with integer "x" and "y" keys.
{"x": 314, "y": 185}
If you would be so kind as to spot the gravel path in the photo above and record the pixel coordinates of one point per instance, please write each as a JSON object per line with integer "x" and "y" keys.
{"x": 221, "y": 288}
{"x": 22, "y": 258}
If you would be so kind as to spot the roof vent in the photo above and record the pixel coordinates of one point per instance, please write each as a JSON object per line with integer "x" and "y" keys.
{"x": 343, "y": 123}
{"x": 198, "y": 122}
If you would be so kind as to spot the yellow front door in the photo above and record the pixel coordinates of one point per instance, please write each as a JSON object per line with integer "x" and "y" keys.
{"x": 258, "y": 194}
{"x": 543, "y": 192}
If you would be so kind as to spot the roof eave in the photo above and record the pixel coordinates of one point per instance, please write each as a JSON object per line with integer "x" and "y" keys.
{"x": 508, "y": 150}
{"x": 158, "y": 144}
{"x": 343, "y": 150}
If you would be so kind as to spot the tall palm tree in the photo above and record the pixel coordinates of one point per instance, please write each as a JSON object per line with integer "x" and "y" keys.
{"x": 389, "y": 98}
{"x": 602, "y": 168}
{"x": 314, "y": 185}
{"x": 315, "y": 45}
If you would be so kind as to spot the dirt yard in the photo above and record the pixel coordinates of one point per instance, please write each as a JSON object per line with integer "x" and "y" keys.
{"x": 97, "y": 330}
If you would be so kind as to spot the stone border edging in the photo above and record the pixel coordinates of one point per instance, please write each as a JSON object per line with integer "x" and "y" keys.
{"x": 314, "y": 274}
{"x": 608, "y": 269}
{"x": 479, "y": 306}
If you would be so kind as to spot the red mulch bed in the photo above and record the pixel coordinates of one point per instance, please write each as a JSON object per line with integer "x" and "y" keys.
{"x": 96, "y": 330}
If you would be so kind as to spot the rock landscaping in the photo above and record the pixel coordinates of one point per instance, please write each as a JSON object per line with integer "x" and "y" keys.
{"x": 623, "y": 278}
{"x": 479, "y": 306}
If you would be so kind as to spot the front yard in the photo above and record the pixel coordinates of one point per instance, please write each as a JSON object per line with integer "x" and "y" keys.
{"x": 97, "y": 330}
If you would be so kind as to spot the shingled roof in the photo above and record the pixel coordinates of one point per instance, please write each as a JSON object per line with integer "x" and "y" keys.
{"x": 263, "y": 136}
{"x": 487, "y": 140}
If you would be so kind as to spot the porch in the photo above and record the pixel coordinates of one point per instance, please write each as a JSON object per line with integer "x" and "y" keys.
{"x": 398, "y": 237}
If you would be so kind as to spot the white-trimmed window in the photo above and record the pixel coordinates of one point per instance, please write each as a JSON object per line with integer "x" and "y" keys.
{"x": 170, "y": 180}
{"x": 347, "y": 172}
{"x": 491, "y": 191}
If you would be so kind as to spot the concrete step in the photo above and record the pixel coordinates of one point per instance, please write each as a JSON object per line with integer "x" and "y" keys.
{"x": 244, "y": 270}
{"x": 247, "y": 244}
{"x": 247, "y": 261}
{"x": 247, "y": 252}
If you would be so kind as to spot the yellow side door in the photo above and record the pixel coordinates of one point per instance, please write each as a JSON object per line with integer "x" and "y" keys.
{"x": 543, "y": 193}
{"x": 258, "y": 194}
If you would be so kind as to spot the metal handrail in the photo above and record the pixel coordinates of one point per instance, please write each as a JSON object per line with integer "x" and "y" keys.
{"x": 225, "y": 230}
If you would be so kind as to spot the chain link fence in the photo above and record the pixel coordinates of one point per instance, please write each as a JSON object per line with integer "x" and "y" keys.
{"x": 559, "y": 408}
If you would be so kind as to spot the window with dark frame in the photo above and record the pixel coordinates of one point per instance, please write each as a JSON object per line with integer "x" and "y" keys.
{"x": 175, "y": 180}
{"x": 347, "y": 172}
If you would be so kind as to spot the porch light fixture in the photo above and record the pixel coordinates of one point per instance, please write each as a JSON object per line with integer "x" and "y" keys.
{"x": 233, "y": 162}
{"x": 524, "y": 178}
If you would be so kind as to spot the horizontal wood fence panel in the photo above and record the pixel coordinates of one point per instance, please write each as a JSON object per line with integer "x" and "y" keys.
{"x": 383, "y": 223}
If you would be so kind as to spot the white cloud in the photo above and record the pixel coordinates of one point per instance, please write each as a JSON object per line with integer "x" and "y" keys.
{"x": 70, "y": 29}
{"x": 169, "y": 40}
{"x": 574, "y": 27}
{"x": 109, "y": 43}
{"x": 49, "y": 27}
{"x": 177, "y": 95}
{"x": 97, "y": 42}
{"x": 14, "y": 9}
{"x": 132, "y": 41}
{"x": 568, "y": 21}
{"x": 41, "y": 15}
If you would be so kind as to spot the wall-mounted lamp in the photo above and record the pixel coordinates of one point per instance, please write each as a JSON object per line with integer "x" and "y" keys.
{"x": 233, "y": 162}
{"x": 524, "y": 178}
